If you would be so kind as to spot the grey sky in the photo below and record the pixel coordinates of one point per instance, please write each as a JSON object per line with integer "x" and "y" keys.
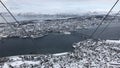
{"x": 59, "y": 6}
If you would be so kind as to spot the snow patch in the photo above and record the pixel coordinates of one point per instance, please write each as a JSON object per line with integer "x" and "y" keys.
{"x": 67, "y": 33}
{"x": 60, "y": 54}
{"x": 113, "y": 41}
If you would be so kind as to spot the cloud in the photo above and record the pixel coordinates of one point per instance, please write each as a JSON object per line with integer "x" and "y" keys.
{"x": 4, "y": 0}
{"x": 59, "y": 6}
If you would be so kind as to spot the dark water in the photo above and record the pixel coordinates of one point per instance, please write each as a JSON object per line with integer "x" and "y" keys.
{"x": 53, "y": 43}
{"x": 112, "y": 32}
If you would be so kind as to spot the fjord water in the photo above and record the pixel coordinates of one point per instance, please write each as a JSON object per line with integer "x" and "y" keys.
{"x": 53, "y": 42}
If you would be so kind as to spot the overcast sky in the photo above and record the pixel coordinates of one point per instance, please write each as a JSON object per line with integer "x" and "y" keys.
{"x": 59, "y": 6}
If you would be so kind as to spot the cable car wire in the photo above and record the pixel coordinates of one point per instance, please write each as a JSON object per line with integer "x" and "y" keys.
{"x": 103, "y": 19}
{"x": 108, "y": 24}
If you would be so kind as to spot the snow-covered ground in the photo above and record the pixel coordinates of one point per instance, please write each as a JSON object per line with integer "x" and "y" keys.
{"x": 68, "y": 33}
{"x": 55, "y": 23}
{"x": 113, "y": 41}
{"x": 60, "y": 54}
{"x": 87, "y": 54}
